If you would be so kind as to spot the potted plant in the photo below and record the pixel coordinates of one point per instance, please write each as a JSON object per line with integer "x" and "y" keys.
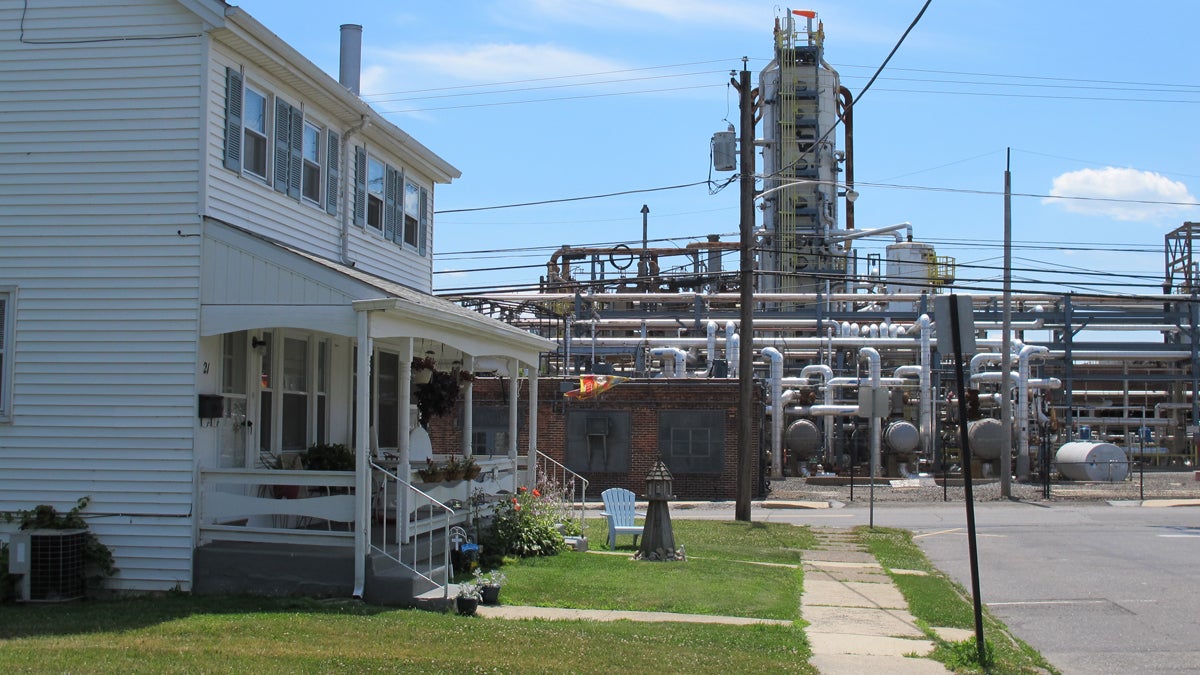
{"x": 455, "y": 470}
{"x": 329, "y": 457}
{"x": 432, "y": 473}
{"x": 467, "y": 600}
{"x": 423, "y": 367}
{"x": 489, "y": 584}
{"x": 436, "y": 397}
{"x": 471, "y": 470}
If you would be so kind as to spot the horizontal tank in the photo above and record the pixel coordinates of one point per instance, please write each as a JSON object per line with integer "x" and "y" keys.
{"x": 901, "y": 437}
{"x": 986, "y": 437}
{"x": 1084, "y": 460}
{"x": 803, "y": 438}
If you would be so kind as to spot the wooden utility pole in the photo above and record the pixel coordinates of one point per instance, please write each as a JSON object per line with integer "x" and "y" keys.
{"x": 746, "y": 449}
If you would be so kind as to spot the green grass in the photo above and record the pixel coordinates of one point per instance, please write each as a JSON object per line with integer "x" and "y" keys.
{"x": 224, "y": 635}
{"x": 936, "y": 600}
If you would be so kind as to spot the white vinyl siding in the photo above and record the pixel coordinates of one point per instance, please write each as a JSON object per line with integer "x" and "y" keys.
{"x": 100, "y": 141}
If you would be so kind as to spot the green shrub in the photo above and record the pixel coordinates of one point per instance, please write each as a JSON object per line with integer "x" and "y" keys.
{"x": 329, "y": 457}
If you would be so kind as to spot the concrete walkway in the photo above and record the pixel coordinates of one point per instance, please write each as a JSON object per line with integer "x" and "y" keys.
{"x": 858, "y": 620}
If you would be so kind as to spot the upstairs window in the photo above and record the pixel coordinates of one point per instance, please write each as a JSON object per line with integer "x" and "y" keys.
{"x": 274, "y": 141}
{"x": 412, "y": 212}
{"x": 312, "y": 163}
{"x": 376, "y": 177}
{"x": 255, "y": 130}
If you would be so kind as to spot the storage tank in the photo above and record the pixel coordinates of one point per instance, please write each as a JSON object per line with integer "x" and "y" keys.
{"x": 902, "y": 437}
{"x": 1084, "y": 460}
{"x": 803, "y": 438}
{"x": 986, "y": 437}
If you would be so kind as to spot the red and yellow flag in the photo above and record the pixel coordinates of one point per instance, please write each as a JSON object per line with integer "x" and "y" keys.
{"x": 593, "y": 385}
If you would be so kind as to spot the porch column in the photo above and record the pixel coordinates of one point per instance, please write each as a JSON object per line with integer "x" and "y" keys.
{"x": 514, "y": 388}
{"x": 403, "y": 449}
{"x": 468, "y": 396}
{"x": 362, "y": 451}
{"x": 533, "y": 425}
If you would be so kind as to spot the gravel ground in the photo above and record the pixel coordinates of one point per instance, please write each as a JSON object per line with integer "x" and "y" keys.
{"x": 1156, "y": 485}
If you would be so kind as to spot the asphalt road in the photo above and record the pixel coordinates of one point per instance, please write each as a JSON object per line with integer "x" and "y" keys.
{"x": 1095, "y": 587}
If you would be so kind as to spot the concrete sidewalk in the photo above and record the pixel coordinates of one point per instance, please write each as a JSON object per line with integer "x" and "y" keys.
{"x": 858, "y": 620}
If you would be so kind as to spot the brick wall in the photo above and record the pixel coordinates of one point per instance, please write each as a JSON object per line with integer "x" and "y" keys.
{"x": 642, "y": 399}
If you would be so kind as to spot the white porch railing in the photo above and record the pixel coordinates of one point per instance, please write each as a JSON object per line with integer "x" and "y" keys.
{"x": 244, "y": 505}
{"x": 406, "y": 513}
{"x": 554, "y": 478}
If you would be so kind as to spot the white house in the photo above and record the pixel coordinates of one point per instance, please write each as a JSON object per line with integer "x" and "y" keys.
{"x": 212, "y": 254}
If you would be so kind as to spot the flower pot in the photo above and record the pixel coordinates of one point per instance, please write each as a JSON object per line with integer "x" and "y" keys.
{"x": 431, "y": 475}
{"x": 456, "y": 474}
{"x": 491, "y": 594}
{"x": 466, "y": 606}
{"x": 473, "y": 472}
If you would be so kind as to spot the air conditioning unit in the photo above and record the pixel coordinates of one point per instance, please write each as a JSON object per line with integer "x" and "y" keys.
{"x": 49, "y": 563}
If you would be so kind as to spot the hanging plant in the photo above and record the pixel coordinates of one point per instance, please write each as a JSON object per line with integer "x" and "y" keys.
{"x": 422, "y": 367}
{"x": 436, "y": 397}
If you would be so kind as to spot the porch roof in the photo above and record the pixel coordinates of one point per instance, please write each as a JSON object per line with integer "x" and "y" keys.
{"x": 249, "y": 281}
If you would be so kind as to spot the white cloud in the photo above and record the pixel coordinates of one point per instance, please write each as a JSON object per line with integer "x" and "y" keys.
{"x": 1123, "y": 184}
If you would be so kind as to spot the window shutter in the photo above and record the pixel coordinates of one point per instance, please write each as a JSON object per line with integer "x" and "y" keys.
{"x": 423, "y": 231}
{"x": 333, "y": 161}
{"x": 233, "y": 120}
{"x": 283, "y": 135}
{"x": 390, "y": 213}
{"x": 360, "y": 186}
{"x": 295, "y": 153}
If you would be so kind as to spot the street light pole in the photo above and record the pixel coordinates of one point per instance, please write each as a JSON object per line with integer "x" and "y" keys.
{"x": 745, "y": 450}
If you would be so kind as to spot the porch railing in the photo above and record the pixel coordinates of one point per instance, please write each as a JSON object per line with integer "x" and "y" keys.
{"x": 277, "y": 506}
{"x": 405, "y": 513}
{"x": 554, "y": 478}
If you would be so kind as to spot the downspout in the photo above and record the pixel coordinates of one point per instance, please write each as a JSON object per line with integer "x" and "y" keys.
{"x": 873, "y": 371}
{"x": 777, "y": 406}
{"x": 347, "y": 176}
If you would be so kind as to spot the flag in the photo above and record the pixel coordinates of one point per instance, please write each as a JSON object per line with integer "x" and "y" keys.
{"x": 805, "y": 12}
{"x": 594, "y": 385}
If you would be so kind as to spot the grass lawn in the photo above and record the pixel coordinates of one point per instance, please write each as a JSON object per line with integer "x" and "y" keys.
{"x": 179, "y": 633}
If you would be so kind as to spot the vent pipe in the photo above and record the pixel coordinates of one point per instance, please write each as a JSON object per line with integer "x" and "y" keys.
{"x": 350, "y": 64}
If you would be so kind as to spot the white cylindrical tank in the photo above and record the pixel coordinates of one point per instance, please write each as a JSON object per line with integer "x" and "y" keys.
{"x": 1084, "y": 460}
{"x": 902, "y": 437}
{"x": 910, "y": 264}
{"x": 986, "y": 437}
{"x": 803, "y": 438}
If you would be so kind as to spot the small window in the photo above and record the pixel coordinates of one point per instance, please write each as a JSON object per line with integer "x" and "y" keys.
{"x": 6, "y": 324}
{"x": 312, "y": 163}
{"x": 376, "y": 172}
{"x": 412, "y": 212}
{"x": 254, "y": 145}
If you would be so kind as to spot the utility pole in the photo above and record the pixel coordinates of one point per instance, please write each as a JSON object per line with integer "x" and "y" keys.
{"x": 745, "y": 450}
{"x": 1006, "y": 415}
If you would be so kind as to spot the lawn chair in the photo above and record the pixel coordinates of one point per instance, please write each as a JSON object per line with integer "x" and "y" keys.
{"x": 619, "y": 509}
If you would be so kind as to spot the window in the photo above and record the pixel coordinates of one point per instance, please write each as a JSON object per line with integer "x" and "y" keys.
{"x": 376, "y": 175}
{"x": 384, "y": 199}
{"x": 692, "y": 441}
{"x": 6, "y": 330}
{"x": 255, "y": 130}
{"x": 303, "y": 157}
{"x": 412, "y": 212}
{"x": 311, "y": 188}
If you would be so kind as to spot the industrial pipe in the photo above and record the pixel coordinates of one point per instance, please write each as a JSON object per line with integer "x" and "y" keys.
{"x": 776, "y": 381}
{"x": 873, "y": 370}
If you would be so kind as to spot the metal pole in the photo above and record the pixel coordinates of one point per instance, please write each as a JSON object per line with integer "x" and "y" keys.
{"x": 745, "y": 454}
{"x": 645, "y": 227}
{"x": 1006, "y": 346}
{"x": 967, "y": 487}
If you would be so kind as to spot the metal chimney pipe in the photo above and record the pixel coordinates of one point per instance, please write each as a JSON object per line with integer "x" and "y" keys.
{"x": 350, "y": 63}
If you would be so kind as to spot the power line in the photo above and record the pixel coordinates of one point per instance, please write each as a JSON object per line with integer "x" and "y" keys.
{"x": 574, "y": 199}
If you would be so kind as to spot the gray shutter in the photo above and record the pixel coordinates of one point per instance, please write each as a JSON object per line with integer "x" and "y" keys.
{"x": 393, "y": 218}
{"x": 296, "y": 153}
{"x": 233, "y": 120}
{"x": 283, "y": 137}
{"x": 333, "y": 162}
{"x": 360, "y": 186}
{"x": 423, "y": 230}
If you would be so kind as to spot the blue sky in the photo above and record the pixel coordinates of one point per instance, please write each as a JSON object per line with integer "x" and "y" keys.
{"x": 538, "y": 100}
